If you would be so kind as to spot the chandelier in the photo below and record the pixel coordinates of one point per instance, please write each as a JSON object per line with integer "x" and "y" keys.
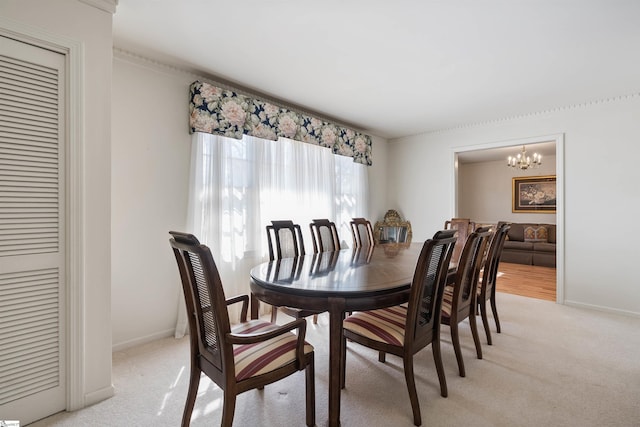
{"x": 523, "y": 162}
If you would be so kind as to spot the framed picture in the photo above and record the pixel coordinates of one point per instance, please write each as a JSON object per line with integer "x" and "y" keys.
{"x": 534, "y": 194}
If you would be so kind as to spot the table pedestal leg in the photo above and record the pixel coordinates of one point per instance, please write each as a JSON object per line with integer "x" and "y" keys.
{"x": 336, "y": 316}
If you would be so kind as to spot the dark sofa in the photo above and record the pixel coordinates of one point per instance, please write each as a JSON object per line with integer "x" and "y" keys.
{"x": 530, "y": 244}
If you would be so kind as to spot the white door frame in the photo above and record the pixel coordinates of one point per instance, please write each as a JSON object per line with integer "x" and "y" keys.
{"x": 559, "y": 141}
{"x": 73, "y": 51}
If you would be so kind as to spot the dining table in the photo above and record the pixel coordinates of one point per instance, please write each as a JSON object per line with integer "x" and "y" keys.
{"x": 337, "y": 282}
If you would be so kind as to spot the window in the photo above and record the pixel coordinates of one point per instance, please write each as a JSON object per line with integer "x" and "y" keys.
{"x": 239, "y": 186}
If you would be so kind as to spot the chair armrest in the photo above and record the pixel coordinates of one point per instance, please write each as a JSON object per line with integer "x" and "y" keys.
{"x": 300, "y": 324}
{"x": 244, "y": 299}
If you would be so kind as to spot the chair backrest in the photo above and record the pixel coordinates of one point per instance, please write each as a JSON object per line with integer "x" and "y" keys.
{"x": 285, "y": 240}
{"x": 494, "y": 252}
{"x": 362, "y": 232}
{"x": 466, "y": 278}
{"x": 206, "y": 304}
{"x": 465, "y": 227}
{"x": 324, "y": 235}
{"x": 425, "y": 300}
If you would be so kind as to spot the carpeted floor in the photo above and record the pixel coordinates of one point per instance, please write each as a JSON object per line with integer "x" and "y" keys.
{"x": 552, "y": 365}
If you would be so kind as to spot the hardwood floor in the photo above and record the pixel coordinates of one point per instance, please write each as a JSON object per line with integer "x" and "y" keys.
{"x": 527, "y": 280}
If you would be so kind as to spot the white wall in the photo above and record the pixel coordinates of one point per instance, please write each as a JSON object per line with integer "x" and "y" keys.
{"x": 378, "y": 187}
{"x": 485, "y": 192}
{"x": 91, "y": 26}
{"x": 601, "y": 142}
{"x": 150, "y": 181}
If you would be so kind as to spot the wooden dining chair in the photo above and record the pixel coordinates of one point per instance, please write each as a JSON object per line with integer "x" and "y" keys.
{"x": 362, "y": 232}
{"x": 247, "y": 356}
{"x": 465, "y": 227}
{"x": 404, "y": 330}
{"x": 324, "y": 234}
{"x": 326, "y": 243}
{"x": 487, "y": 285}
{"x": 285, "y": 241}
{"x": 459, "y": 301}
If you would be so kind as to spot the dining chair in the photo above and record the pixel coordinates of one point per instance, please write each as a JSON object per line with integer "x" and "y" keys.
{"x": 406, "y": 329}
{"x": 324, "y": 234}
{"x": 362, "y": 232}
{"x": 487, "y": 285}
{"x": 285, "y": 240}
{"x": 246, "y": 356}
{"x": 459, "y": 300}
{"x": 465, "y": 227}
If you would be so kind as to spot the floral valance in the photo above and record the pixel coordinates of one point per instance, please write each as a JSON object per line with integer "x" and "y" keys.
{"x": 227, "y": 113}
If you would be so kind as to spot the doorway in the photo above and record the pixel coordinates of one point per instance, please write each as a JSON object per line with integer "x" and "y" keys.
{"x": 495, "y": 198}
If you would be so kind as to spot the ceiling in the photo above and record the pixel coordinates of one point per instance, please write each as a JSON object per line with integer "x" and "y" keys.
{"x": 545, "y": 149}
{"x": 399, "y": 68}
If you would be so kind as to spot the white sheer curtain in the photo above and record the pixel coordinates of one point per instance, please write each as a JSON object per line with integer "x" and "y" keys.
{"x": 238, "y": 186}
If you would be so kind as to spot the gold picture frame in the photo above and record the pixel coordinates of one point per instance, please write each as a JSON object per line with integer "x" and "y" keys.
{"x": 533, "y": 194}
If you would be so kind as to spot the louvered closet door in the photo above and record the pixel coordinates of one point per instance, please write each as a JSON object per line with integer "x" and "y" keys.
{"x": 32, "y": 249}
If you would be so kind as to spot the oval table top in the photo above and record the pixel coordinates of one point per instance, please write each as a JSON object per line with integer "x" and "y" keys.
{"x": 346, "y": 273}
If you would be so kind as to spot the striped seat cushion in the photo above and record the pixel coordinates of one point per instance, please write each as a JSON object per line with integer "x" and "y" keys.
{"x": 256, "y": 359}
{"x": 385, "y": 325}
{"x": 447, "y": 301}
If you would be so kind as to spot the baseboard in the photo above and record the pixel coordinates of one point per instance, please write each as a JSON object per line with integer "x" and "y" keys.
{"x": 142, "y": 340}
{"x": 99, "y": 395}
{"x": 601, "y": 308}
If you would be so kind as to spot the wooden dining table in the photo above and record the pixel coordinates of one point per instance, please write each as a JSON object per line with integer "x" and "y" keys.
{"x": 337, "y": 282}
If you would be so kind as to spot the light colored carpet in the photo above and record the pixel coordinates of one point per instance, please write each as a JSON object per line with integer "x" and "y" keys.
{"x": 552, "y": 365}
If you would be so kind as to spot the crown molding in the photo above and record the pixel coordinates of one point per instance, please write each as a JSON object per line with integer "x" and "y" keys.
{"x": 582, "y": 105}
{"x": 106, "y": 5}
{"x": 156, "y": 65}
